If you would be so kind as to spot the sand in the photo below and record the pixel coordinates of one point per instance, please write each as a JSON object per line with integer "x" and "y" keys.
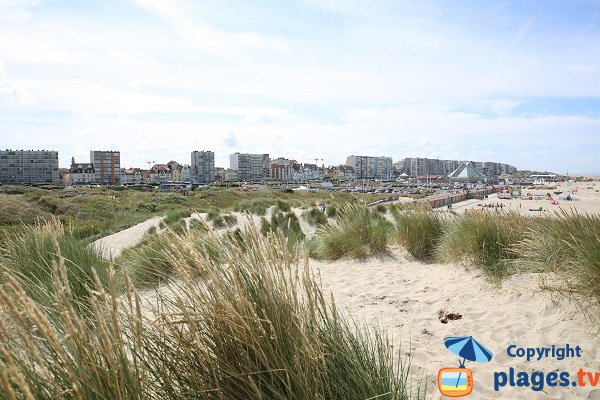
{"x": 113, "y": 245}
{"x": 405, "y": 296}
{"x": 589, "y": 201}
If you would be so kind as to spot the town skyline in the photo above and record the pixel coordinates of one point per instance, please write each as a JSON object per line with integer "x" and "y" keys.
{"x": 516, "y": 81}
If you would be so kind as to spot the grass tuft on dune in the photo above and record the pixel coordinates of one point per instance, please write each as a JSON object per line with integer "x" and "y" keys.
{"x": 357, "y": 232}
{"x": 254, "y": 325}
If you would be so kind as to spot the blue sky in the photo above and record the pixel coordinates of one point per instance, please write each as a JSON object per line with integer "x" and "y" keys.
{"x": 508, "y": 81}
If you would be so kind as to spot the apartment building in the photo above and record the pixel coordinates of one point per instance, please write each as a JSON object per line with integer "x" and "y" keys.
{"x": 107, "y": 167}
{"x": 281, "y": 169}
{"x": 202, "y": 166}
{"x": 30, "y": 167}
{"x": 250, "y": 167}
{"x": 367, "y": 167}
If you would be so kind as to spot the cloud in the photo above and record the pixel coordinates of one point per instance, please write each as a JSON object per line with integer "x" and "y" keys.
{"x": 203, "y": 35}
{"x": 583, "y": 71}
{"x": 522, "y": 31}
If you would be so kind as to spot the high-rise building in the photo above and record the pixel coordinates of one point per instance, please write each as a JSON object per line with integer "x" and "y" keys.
{"x": 250, "y": 167}
{"x": 366, "y": 167}
{"x": 202, "y": 167}
{"x": 107, "y": 167}
{"x": 31, "y": 167}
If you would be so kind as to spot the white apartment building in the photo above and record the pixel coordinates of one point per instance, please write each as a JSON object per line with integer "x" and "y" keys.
{"x": 250, "y": 167}
{"x": 367, "y": 167}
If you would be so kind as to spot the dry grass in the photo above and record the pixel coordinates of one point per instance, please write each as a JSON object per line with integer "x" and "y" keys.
{"x": 254, "y": 325}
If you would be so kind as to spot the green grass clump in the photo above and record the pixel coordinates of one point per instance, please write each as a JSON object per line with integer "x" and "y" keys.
{"x": 31, "y": 253}
{"x": 380, "y": 208}
{"x": 569, "y": 246}
{"x": 418, "y": 231}
{"x": 283, "y": 206}
{"x": 330, "y": 211}
{"x": 255, "y": 326}
{"x": 358, "y": 232}
{"x": 256, "y": 207}
{"x": 287, "y": 223}
{"x": 175, "y": 216}
{"x": 149, "y": 263}
{"x": 315, "y": 217}
{"x": 484, "y": 239}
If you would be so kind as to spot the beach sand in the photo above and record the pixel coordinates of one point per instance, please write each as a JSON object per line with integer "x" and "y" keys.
{"x": 405, "y": 296}
{"x": 588, "y": 201}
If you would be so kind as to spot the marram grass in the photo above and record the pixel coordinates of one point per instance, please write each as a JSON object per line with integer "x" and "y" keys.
{"x": 256, "y": 325}
{"x": 418, "y": 230}
{"x": 567, "y": 245}
{"x": 357, "y": 232}
{"x": 483, "y": 238}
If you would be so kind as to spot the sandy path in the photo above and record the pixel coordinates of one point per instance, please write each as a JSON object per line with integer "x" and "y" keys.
{"x": 113, "y": 245}
{"x": 405, "y": 296}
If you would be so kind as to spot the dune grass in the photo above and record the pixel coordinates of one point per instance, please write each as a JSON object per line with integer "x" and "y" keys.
{"x": 315, "y": 217}
{"x": 568, "y": 245}
{"x": 418, "y": 230}
{"x": 357, "y": 232}
{"x": 29, "y": 254}
{"x": 330, "y": 211}
{"x": 484, "y": 239}
{"x": 285, "y": 222}
{"x": 256, "y": 326}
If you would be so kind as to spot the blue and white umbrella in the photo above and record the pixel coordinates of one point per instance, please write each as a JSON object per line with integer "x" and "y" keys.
{"x": 469, "y": 349}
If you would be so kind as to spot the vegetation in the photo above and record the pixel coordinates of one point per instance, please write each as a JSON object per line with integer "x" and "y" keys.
{"x": 358, "y": 232}
{"x": 380, "y": 208}
{"x": 91, "y": 213}
{"x": 330, "y": 211}
{"x": 567, "y": 245}
{"x": 484, "y": 239}
{"x": 286, "y": 223}
{"x": 255, "y": 326}
{"x": 315, "y": 217}
{"x": 30, "y": 253}
{"x": 418, "y": 230}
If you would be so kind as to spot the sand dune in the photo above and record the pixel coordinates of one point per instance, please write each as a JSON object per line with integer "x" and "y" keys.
{"x": 405, "y": 297}
{"x": 113, "y": 245}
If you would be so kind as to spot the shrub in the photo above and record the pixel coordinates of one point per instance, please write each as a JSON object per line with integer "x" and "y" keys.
{"x": 418, "y": 231}
{"x": 483, "y": 238}
{"x": 358, "y": 232}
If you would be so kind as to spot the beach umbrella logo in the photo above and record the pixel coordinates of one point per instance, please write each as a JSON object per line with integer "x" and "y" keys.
{"x": 458, "y": 382}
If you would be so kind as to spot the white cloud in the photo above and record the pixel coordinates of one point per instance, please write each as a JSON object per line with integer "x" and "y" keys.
{"x": 583, "y": 71}
{"x": 203, "y": 35}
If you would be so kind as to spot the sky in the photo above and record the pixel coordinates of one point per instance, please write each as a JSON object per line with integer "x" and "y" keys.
{"x": 516, "y": 82}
